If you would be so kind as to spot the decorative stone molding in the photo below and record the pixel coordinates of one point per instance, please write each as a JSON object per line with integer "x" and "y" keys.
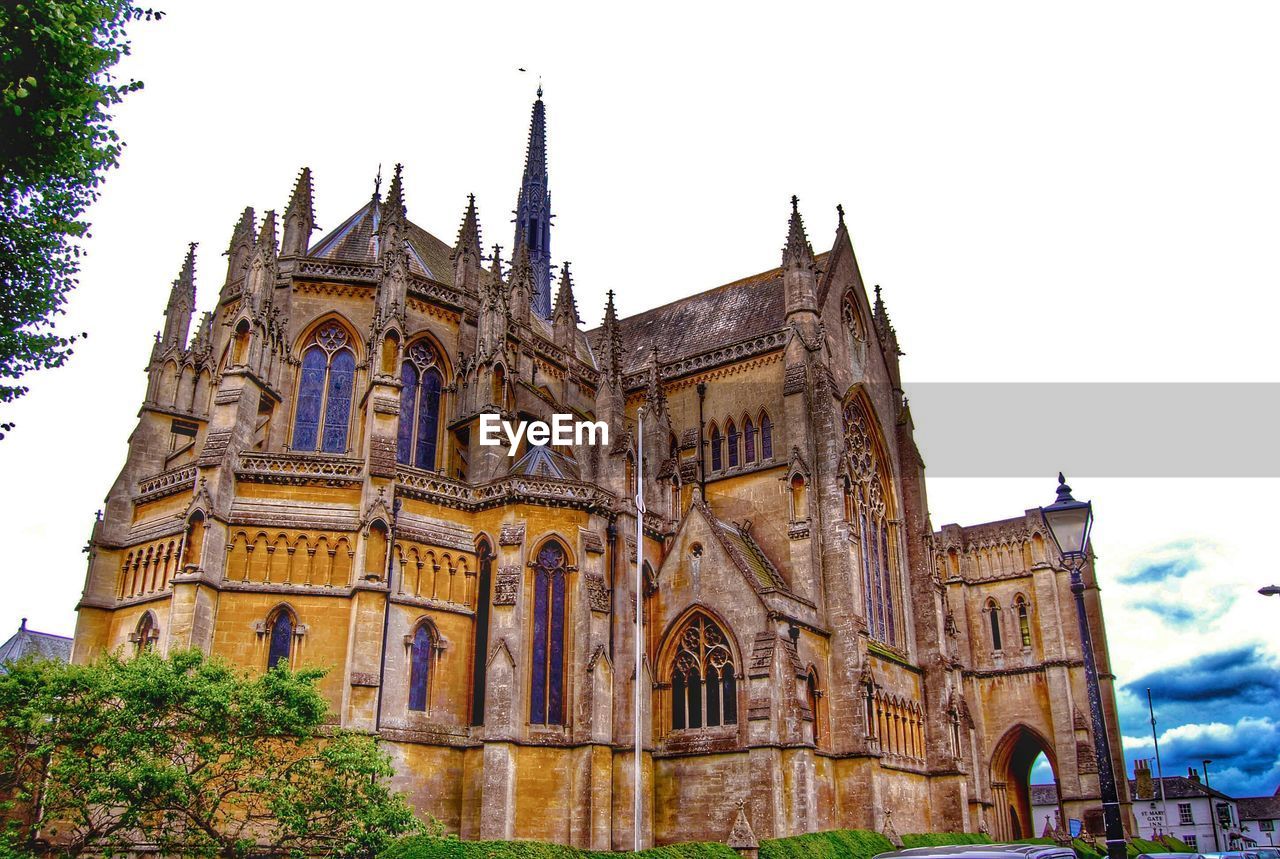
{"x": 591, "y": 542}
{"x": 364, "y": 678}
{"x": 333, "y": 270}
{"x": 793, "y": 381}
{"x": 597, "y": 592}
{"x": 512, "y": 534}
{"x": 386, "y": 406}
{"x": 298, "y": 469}
{"x": 215, "y": 446}
{"x": 171, "y": 482}
{"x": 507, "y": 586}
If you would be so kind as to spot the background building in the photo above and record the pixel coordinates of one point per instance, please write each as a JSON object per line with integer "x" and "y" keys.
{"x": 1259, "y": 817}
{"x": 306, "y": 486}
{"x": 41, "y": 645}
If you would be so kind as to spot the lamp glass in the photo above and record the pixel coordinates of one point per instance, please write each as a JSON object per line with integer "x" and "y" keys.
{"x": 1069, "y": 523}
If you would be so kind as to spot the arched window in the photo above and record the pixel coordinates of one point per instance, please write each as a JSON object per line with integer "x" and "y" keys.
{"x": 749, "y": 441}
{"x": 814, "y": 695}
{"x": 420, "y": 650}
{"x": 480, "y": 657}
{"x": 871, "y": 488}
{"x": 993, "y": 614}
{"x": 325, "y": 387}
{"x": 704, "y": 689}
{"x": 421, "y": 384}
{"x": 717, "y": 449}
{"x": 731, "y": 430}
{"x": 673, "y": 446}
{"x": 546, "y": 697}
{"x": 281, "y": 632}
{"x": 799, "y": 509}
{"x": 1024, "y": 621}
{"x": 146, "y": 634}
{"x": 766, "y": 436}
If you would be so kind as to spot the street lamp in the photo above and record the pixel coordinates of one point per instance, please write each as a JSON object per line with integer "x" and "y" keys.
{"x": 1068, "y": 522}
{"x": 1269, "y": 590}
{"x": 1213, "y": 808}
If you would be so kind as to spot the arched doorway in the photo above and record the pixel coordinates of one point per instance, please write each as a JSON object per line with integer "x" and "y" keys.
{"x": 1011, "y": 766}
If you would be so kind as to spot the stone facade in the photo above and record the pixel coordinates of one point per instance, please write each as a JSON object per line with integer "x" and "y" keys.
{"x": 306, "y": 484}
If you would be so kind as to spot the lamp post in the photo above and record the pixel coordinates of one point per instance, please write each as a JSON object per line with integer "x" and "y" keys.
{"x": 1269, "y": 590}
{"x": 1213, "y": 809}
{"x": 1068, "y": 522}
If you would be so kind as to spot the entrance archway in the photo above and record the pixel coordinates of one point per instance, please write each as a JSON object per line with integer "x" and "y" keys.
{"x": 1011, "y": 764}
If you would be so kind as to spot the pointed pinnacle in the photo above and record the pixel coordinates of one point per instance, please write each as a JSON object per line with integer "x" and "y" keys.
{"x": 565, "y": 302}
{"x": 267, "y": 235}
{"x": 495, "y": 267}
{"x": 798, "y": 247}
{"x": 394, "y": 207}
{"x": 300, "y": 200}
{"x": 188, "y": 273}
{"x": 469, "y": 232}
{"x": 840, "y": 213}
{"x": 243, "y": 229}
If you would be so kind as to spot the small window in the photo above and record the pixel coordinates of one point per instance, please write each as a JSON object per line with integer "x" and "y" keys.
{"x": 749, "y": 441}
{"x": 731, "y": 430}
{"x": 717, "y": 449}
{"x": 993, "y": 614}
{"x": 1266, "y": 826}
{"x": 281, "y": 640}
{"x": 1024, "y": 623}
{"x": 1184, "y": 815}
{"x": 1190, "y": 841}
{"x": 766, "y": 436}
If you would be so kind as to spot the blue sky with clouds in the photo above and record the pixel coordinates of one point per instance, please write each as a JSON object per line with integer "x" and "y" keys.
{"x": 1221, "y": 701}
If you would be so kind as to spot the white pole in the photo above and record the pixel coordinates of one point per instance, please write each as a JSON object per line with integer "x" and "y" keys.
{"x": 639, "y": 614}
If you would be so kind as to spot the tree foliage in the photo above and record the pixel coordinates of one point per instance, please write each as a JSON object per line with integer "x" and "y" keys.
{"x": 56, "y": 144}
{"x": 188, "y": 754}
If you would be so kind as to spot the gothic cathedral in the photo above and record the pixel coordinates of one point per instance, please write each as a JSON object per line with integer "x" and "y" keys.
{"x": 306, "y": 486}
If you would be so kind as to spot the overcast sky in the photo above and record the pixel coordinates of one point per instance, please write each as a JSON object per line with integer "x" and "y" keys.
{"x": 1084, "y": 195}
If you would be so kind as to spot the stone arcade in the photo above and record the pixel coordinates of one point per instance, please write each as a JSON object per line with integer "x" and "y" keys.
{"x": 305, "y": 484}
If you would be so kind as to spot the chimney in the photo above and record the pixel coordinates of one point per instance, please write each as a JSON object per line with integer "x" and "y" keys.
{"x": 1145, "y": 787}
{"x": 1193, "y": 775}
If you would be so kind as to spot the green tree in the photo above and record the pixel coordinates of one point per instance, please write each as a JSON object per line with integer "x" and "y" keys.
{"x": 188, "y": 754}
{"x": 56, "y": 144}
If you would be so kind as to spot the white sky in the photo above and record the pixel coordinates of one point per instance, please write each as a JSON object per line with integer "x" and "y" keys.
{"x": 1083, "y": 193}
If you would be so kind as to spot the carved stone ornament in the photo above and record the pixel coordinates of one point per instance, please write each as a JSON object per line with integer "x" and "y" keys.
{"x": 597, "y": 592}
{"x": 512, "y": 534}
{"x": 507, "y": 586}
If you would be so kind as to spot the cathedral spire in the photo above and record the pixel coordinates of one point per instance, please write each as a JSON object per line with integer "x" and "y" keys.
{"x": 299, "y": 218}
{"x": 884, "y": 327}
{"x": 182, "y": 303}
{"x": 798, "y": 251}
{"x": 393, "y": 210}
{"x": 533, "y": 210}
{"x": 260, "y": 282}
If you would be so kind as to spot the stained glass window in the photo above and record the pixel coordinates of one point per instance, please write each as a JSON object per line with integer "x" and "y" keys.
{"x": 868, "y": 490}
{"x": 749, "y": 439}
{"x": 546, "y": 698}
{"x": 325, "y": 388}
{"x": 766, "y": 436}
{"x": 717, "y": 452}
{"x": 704, "y": 689}
{"x": 419, "y": 407}
{"x": 419, "y": 668}
{"x": 731, "y": 430}
{"x": 281, "y": 640}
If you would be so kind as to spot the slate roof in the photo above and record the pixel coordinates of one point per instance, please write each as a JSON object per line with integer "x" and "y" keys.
{"x": 42, "y": 645}
{"x": 748, "y": 557}
{"x": 722, "y": 316}
{"x": 355, "y": 239}
{"x": 1259, "y": 807}
{"x": 545, "y": 461}
{"x": 1180, "y": 787}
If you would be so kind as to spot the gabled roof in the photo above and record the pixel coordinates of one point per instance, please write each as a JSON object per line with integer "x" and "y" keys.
{"x": 1180, "y": 787}
{"x": 1259, "y": 807}
{"x": 544, "y": 461}
{"x": 722, "y": 316}
{"x": 41, "y": 645}
{"x": 356, "y": 240}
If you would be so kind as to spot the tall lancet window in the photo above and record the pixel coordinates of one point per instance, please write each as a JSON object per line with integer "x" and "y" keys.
{"x": 421, "y": 384}
{"x": 323, "y": 416}
{"x": 280, "y": 648}
{"x": 546, "y": 694}
{"x": 871, "y": 497}
{"x": 704, "y": 690}
{"x": 420, "y": 650}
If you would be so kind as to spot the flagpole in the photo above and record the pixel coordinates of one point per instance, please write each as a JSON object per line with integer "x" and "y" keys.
{"x": 639, "y": 616}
